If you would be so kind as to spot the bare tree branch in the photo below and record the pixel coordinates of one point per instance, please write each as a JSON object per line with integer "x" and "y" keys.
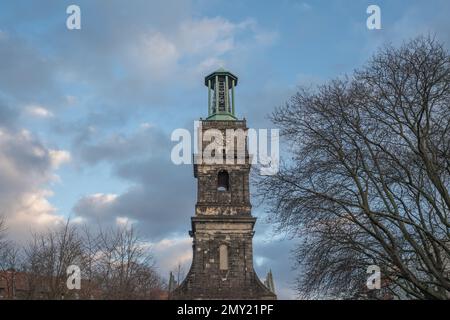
{"x": 369, "y": 178}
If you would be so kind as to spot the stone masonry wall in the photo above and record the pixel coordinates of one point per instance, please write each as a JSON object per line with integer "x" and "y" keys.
{"x": 222, "y": 218}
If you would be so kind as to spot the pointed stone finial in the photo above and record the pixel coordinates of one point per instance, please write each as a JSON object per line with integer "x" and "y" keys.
{"x": 172, "y": 282}
{"x": 269, "y": 281}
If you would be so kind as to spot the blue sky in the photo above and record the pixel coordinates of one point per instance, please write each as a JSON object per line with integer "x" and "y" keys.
{"x": 86, "y": 115}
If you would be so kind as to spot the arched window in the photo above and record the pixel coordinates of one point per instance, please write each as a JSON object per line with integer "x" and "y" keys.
{"x": 223, "y": 257}
{"x": 223, "y": 183}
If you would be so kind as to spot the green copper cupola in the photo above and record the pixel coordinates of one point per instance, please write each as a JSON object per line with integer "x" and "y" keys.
{"x": 221, "y": 85}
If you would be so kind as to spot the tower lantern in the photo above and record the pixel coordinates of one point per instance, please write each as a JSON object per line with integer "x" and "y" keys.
{"x": 221, "y": 85}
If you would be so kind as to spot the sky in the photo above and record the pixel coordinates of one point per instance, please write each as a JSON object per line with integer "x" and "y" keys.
{"x": 86, "y": 115}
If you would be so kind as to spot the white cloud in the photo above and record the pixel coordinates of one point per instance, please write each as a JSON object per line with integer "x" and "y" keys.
{"x": 146, "y": 125}
{"x": 59, "y": 157}
{"x": 156, "y": 55}
{"x": 99, "y": 200}
{"x": 103, "y": 199}
{"x": 260, "y": 261}
{"x": 38, "y": 111}
{"x": 26, "y": 168}
{"x": 209, "y": 64}
{"x": 214, "y": 36}
{"x": 78, "y": 220}
{"x": 171, "y": 252}
{"x": 34, "y": 210}
{"x": 194, "y": 46}
{"x": 124, "y": 222}
{"x": 96, "y": 205}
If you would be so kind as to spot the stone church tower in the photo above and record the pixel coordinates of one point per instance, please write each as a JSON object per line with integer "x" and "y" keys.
{"x": 222, "y": 228}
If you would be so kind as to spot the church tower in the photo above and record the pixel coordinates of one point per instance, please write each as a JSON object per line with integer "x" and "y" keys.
{"x": 222, "y": 227}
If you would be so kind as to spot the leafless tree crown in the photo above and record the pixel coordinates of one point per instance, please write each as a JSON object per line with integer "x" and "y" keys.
{"x": 114, "y": 264}
{"x": 368, "y": 180}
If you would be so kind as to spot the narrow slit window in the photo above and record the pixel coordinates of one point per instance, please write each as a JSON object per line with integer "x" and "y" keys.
{"x": 223, "y": 257}
{"x": 223, "y": 181}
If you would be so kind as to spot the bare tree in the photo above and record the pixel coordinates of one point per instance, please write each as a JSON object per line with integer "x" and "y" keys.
{"x": 90, "y": 264}
{"x": 368, "y": 182}
{"x": 46, "y": 259}
{"x": 125, "y": 266}
{"x": 9, "y": 261}
{"x": 114, "y": 264}
{"x": 2, "y": 232}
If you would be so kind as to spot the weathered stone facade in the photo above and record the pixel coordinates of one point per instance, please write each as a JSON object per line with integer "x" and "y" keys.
{"x": 222, "y": 228}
